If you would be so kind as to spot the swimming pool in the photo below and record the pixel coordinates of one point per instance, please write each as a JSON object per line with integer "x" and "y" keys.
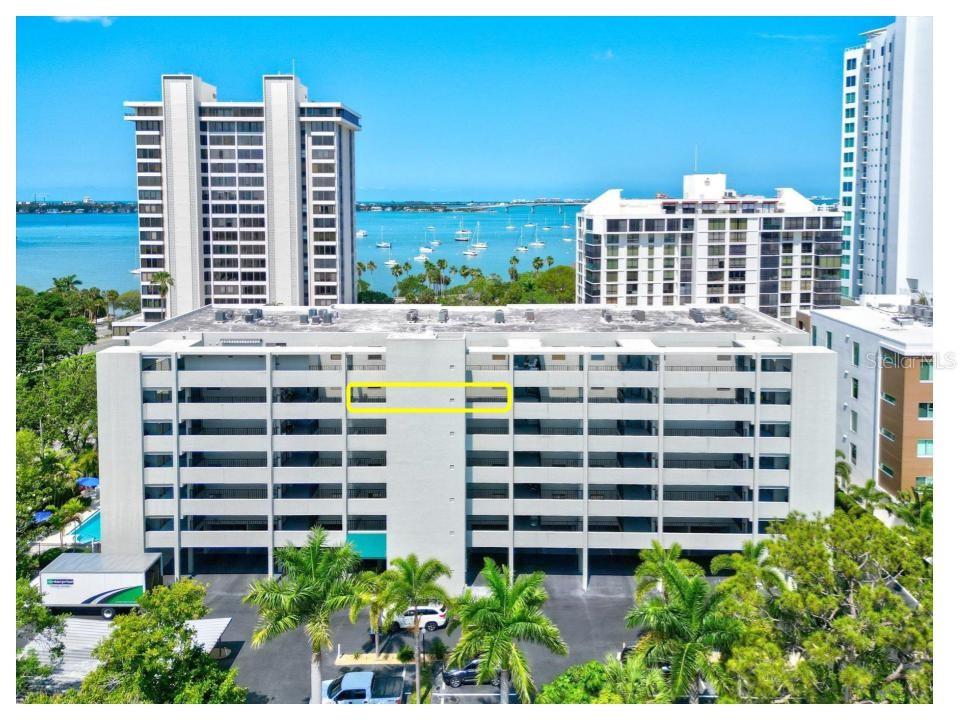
{"x": 89, "y": 530}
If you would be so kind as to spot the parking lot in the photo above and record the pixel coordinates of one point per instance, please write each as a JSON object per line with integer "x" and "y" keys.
{"x": 590, "y": 622}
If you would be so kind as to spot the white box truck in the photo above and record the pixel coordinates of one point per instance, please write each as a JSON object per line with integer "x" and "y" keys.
{"x": 95, "y": 580}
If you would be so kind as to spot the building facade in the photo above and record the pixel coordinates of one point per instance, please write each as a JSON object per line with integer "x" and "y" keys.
{"x": 711, "y": 247}
{"x": 886, "y": 161}
{"x": 535, "y": 436}
{"x": 884, "y": 387}
{"x": 243, "y": 202}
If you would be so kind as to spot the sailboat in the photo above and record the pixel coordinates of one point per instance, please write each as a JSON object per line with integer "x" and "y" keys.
{"x": 462, "y": 235}
{"x": 425, "y": 249}
{"x": 361, "y": 233}
{"x": 530, "y": 222}
{"x": 566, "y": 225}
{"x": 382, "y": 243}
{"x": 521, "y": 248}
{"x": 478, "y": 244}
{"x": 537, "y": 242}
{"x": 421, "y": 258}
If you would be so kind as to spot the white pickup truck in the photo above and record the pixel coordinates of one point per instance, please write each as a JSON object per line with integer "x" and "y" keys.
{"x": 364, "y": 688}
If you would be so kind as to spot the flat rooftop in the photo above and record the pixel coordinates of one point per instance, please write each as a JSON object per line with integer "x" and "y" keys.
{"x": 101, "y": 563}
{"x": 392, "y": 319}
{"x": 916, "y": 337}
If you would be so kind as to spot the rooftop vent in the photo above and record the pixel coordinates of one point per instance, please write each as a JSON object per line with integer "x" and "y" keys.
{"x": 304, "y": 319}
{"x": 728, "y": 314}
{"x": 220, "y": 316}
{"x": 498, "y": 317}
{"x": 903, "y": 321}
{"x": 249, "y": 317}
{"x": 638, "y": 315}
{"x": 697, "y": 315}
{"x": 312, "y": 312}
{"x": 315, "y": 319}
{"x": 606, "y": 315}
{"x": 443, "y": 315}
{"x": 528, "y": 315}
{"x": 326, "y": 317}
{"x": 412, "y": 315}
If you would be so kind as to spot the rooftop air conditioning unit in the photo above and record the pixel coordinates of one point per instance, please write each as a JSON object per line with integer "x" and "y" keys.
{"x": 498, "y": 317}
{"x": 444, "y": 315}
{"x": 220, "y": 316}
{"x": 528, "y": 316}
{"x": 697, "y": 315}
{"x": 638, "y": 315}
{"x": 903, "y": 321}
{"x": 304, "y": 319}
{"x": 412, "y": 315}
{"x": 727, "y": 314}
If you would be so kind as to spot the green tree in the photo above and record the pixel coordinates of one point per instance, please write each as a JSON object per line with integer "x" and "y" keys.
{"x": 33, "y": 618}
{"x": 841, "y": 471}
{"x": 164, "y": 281}
{"x": 651, "y": 572}
{"x": 152, "y": 656}
{"x": 67, "y": 284}
{"x": 370, "y": 593}
{"x": 318, "y": 580}
{"x": 914, "y": 507}
{"x": 537, "y": 264}
{"x": 111, "y": 297}
{"x": 64, "y": 515}
{"x": 752, "y": 566}
{"x": 62, "y": 400}
{"x": 869, "y": 496}
{"x": 494, "y": 625}
{"x": 411, "y": 583}
{"x": 686, "y": 631}
{"x": 128, "y": 302}
{"x": 840, "y": 631}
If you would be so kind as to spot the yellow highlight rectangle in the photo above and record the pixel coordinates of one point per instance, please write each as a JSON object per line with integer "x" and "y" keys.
{"x": 374, "y": 410}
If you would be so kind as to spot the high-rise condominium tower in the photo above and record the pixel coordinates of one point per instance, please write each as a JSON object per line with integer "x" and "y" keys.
{"x": 713, "y": 246}
{"x": 243, "y": 203}
{"x": 886, "y": 161}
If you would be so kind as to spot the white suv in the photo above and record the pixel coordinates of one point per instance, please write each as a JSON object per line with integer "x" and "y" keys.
{"x": 432, "y": 617}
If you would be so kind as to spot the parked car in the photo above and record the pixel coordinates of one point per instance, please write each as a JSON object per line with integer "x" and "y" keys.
{"x": 432, "y": 617}
{"x": 467, "y": 675}
{"x": 363, "y": 688}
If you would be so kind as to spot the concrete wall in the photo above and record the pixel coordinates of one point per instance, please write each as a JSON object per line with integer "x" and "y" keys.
{"x": 813, "y": 419}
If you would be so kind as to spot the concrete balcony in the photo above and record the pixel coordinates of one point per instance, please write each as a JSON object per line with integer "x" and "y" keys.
{"x": 623, "y": 508}
{"x": 308, "y": 506}
{"x": 621, "y": 540}
{"x": 623, "y": 443}
{"x": 218, "y": 411}
{"x": 705, "y": 411}
{"x": 222, "y": 378}
{"x": 376, "y": 473}
{"x": 225, "y": 538}
{"x": 548, "y": 378}
{"x": 726, "y": 542}
{"x": 707, "y": 509}
{"x": 547, "y": 538}
{"x": 216, "y": 475}
{"x": 158, "y": 411}
{"x": 774, "y": 478}
{"x": 307, "y": 378}
{"x": 779, "y": 380}
{"x": 159, "y": 476}
{"x": 548, "y": 443}
{"x": 548, "y": 411}
{"x": 623, "y": 411}
{"x": 366, "y": 442}
{"x": 156, "y": 379}
{"x": 159, "y": 539}
{"x": 487, "y": 538}
{"x": 698, "y": 377}
{"x": 307, "y": 410}
{"x": 225, "y": 506}
{"x": 698, "y": 476}
{"x": 711, "y": 444}
{"x": 548, "y": 474}
{"x": 309, "y": 474}
{"x": 775, "y": 445}
{"x": 770, "y": 510}
{"x": 488, "y": 506}
{"x": 622, "y": 476}
{"x": 488, "y": 442}
{"x": 547, "y": 506}
{"x": 482, "y": 474}
{"x": 284, "y": 443}
{"x": 225, "y": 443}
{"x": 159, "y": 508}
{"x": 624, "y": 378}
{"x": 158, "y": 443}
{"x": 775, "y": 413}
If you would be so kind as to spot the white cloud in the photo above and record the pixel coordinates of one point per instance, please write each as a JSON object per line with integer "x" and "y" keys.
{"x": 603, "y": 56}
{"x": 104, "y": 20}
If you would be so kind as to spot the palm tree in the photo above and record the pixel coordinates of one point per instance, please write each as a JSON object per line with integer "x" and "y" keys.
{"x": 361, "y": 268}
{"x": 164, "y": 281}
{"x": 914, "y": 507}
{"x": 686, "y": 632}
{"x": 371, "y": 266}
{"x": 397, "y": 272}
{"x": 635, "y": 682}
{"x": 550, "y": 261}
{"x": 318, "y": 580}
{"x": 841, "y": 471}
{"x": 369, "y": 593}
{"x": 650, "y": 572}
{"x": 495, "y": 623}
{"x": 537, "y": 264}
{"x": 869, "y": 496}
{"x": 67, "y": 283}
{"x": 410, "y": 583}
{"x": 69, "y": 512}
{"x": 112, "y": 296}
{"x": 752, "y": 564}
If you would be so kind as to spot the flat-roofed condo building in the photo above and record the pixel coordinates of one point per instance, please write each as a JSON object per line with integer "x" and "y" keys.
{"x": 243, "y": 202}
{"x": 710, "y": 247}
{"x": 886, "y": 168}
{"x": 885, "y": 373}
{"x": 588, "y": 433}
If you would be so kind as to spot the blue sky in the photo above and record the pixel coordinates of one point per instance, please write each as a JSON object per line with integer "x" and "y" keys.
{"x": 458, "y": 108}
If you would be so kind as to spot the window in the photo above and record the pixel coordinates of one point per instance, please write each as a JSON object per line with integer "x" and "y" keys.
{"x": 925, "y": 411}
{"x": 888, "y": 398}
{"x": 926, "y": 371}
{"x": 814, "y": 334}
{"x": 854, "y": 420}
{"x": 887, "y": 434}
{"x": 856, "y": 354}
{"x": 851, "y": 63}
{"x": 853, "y": 454}
{"x": 924, "y": 448}
{"x": 829, "y": 340}
{"x": 886, "y": 470}
{"x": 923, "y": 480}
{"x": 854, "y": 388}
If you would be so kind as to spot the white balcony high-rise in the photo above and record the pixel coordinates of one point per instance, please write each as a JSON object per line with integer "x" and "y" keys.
{"x": 243, "y": 202}
{"x": 886, "y": 168}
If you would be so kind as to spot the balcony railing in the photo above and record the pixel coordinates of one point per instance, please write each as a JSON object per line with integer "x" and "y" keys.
{"x": 368, "y": 366}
